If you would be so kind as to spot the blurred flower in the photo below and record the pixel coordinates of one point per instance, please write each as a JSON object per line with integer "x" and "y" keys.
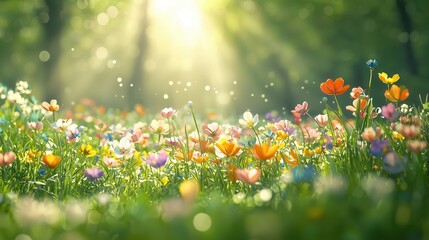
{"x": 370, "y": 134}
{"x": 372, "y": 63}
{"x": 303, "y": 173}
{"x": 168, "y": 112}
{"x": 73, "y": 133}
{"x": 231, "y": 172}
{"x": 87, "y": 150}
{"x": 300, "y": 109}
{"x": 389, "y": 112}
{"x": 228, "y": 148}
{"x": 31, "y": 155}
{"x": 199, "y": 158}
{"x": 111, "y": 162}
{"x": 331, "y": 87}
{"x": 36, "y": 126}
{"x": 416, "y": 146}
{"x": 379, "y": 147}
{"x": 311, "y": 134}
{"x": 265, "y": 151}
{"x": 189, "y": 190}
{"x": 321, "y": 120}
{"x": 93, "y": 173}
{"x": 248, "y": 175}
{"x": 7, "y": 158}
{"x": 157, "y": 160}
{"x": 139, "y": 109}
{"x": 377, "y": 187}
{"x": 386, "y": 79}
{"x": 395, "y": 93}
{"x": 248, "y": 120}
{"x": 393, "y": 163}
{"x": 61, "y": 124}
{"x": 356, "y": 92}
{"x": 52, "y": 106}
{"x": 330, "y": 185}
{"x": 408, "y": 131}
{"x": 51, "y": 160}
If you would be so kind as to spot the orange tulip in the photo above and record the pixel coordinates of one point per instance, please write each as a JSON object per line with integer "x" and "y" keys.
{"x": 229, "y": 148}
{"x": 265, "y": 151}
{"x": 395, "y": 93}
{"x": 331, "y": 87}
{"x": 51, "y": 160}
{"x": 52, "y": 106}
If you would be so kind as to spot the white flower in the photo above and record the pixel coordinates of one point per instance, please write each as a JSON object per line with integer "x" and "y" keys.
{"x": 249, "y": 120}
{"x": 62, "y": 124}
{"x": 123, "y": 149}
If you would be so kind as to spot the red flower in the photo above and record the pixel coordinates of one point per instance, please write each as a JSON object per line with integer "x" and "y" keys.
{"x": 331, "y": 87}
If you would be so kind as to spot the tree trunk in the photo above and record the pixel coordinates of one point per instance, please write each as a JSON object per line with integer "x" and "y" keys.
{"x": 407, "y": 27}
{"x": 137, "y": 74}
{"x": 53, "y": 29}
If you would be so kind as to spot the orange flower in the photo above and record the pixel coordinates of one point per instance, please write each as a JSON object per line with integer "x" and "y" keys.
{"x": 249, "y": 176}
{"x": 395, "y": 93}
{"x": 265, "y": 151}
{"x": 231, "y": 172}
{"x": 331, "y": 87}
{"x": 228, "y": 148}
{"x": 52, "y": 106}
{"x": 51, "y": 160}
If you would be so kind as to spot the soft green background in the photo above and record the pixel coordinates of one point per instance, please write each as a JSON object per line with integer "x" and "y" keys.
{"x": 225, "y": 55}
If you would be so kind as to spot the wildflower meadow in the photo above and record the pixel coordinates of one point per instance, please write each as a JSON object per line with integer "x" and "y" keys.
{"x": 89, "y": 172}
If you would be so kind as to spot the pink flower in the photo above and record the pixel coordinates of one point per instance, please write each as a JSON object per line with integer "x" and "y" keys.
{"x": 93, "y": 173}
{"x": 389, "y": 112}
{"x": 321, "y": 120}
{"x": 159, "y": 127}
{"x": 168, "y": 112}
{"x": 35, "y": 125}
{"x": 157, "y": 160}
{"x": 356, "y": 92}
{"x": 7, "y": 158}
{"x": 300, "y": 109}
{"x": 250, "y": 175}
{"x": 212, "y": 130}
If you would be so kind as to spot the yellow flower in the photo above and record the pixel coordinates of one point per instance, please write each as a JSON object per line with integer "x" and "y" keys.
{"x": 388, "y": 80}
{"x": 31, "y": 155}
{"x": 87, "y": 150}
{"x": 165, "y": 180}
{"x": 189, "y": 190}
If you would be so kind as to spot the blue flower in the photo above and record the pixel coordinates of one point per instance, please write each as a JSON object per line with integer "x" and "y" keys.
{"x": 372, "y": 63}
{"x": 379, "y": 147}
{"x": 304, "y": 174}
{"x": 393, "y": 164}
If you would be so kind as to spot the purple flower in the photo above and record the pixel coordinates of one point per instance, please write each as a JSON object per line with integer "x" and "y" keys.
{"x": 93, "y": 173}
{"x": 379, "y": 147}
{"x": 389, "y": 112}
{"x": 393, "y": 163}
{"x": 157, "y": 160}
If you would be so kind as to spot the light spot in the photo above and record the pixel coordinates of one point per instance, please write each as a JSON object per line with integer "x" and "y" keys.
{"x": 171, "y": 83}
{"x": 166, "y": 96}
{"x": 102, "y": 19}
{"x": 207, "y": 88}
{"x": 202, "y": 222}
{"x": 265, "y": 195}
{"x": 119, "y": 79}
{"x": 112, "y": 11}
{"x": 101, "y": 53}
{"x": 22, "y": 237}
{"x": 44, "y": 56}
